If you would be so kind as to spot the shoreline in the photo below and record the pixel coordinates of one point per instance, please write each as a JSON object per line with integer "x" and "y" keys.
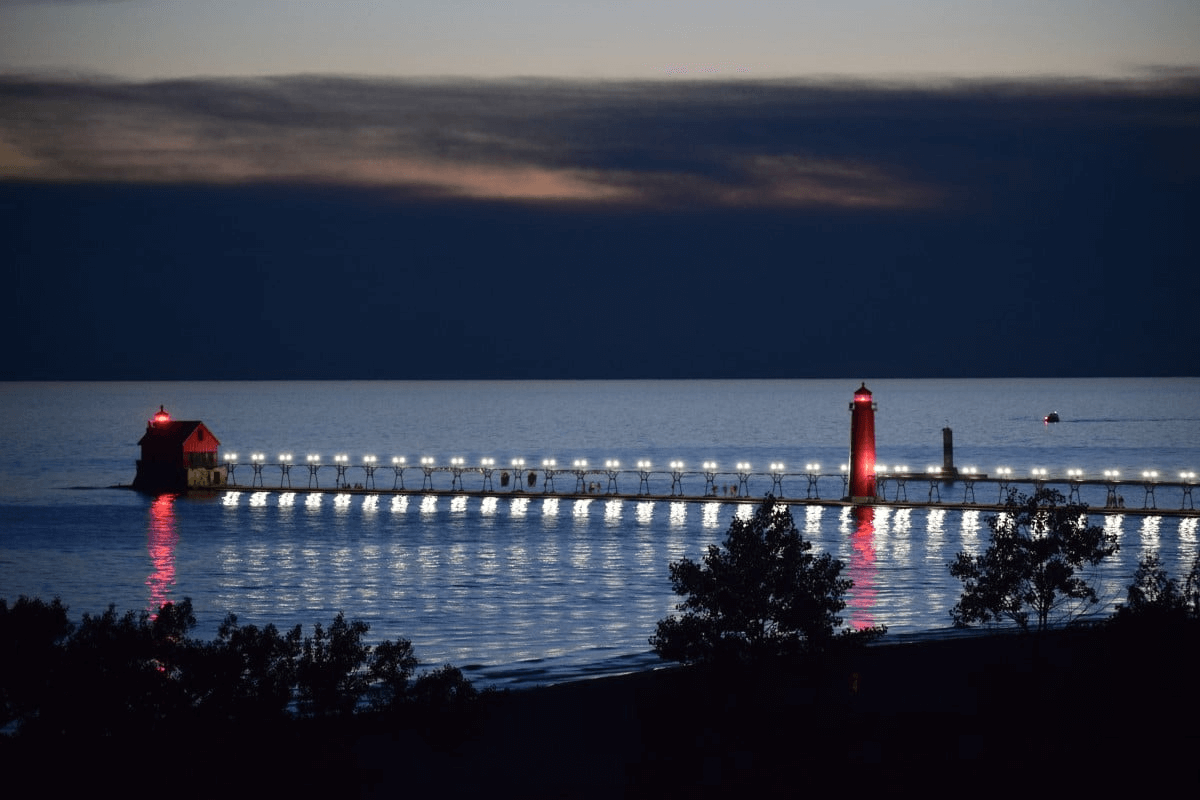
{"x": 1074, "y": 708}
{"x": 920, "y": 711}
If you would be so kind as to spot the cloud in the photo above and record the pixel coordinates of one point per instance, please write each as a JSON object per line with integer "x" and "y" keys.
{"x": 440, "y": 229}
{"x": 744, "y": 144}
{"x": 507, "y": 140}
{"x": 15, "y": 164}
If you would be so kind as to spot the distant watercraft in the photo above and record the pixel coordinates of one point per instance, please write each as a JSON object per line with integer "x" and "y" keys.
{"x": 1051, "y": 417}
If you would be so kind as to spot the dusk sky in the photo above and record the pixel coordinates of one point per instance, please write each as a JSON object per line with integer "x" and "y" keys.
{"x": 310, "y": 189}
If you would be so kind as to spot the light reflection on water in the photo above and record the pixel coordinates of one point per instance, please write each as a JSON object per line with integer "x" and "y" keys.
{"x": 1187, "y": 533}
{"x": 1149, "y": 534}
{"x": 971, "y": 525}
{"x": 898, "y": 542}
{"x": 500, "y": 580}
{"x": 161, "y": 540}
{"x": 535, "y": 579}
{"x": 859, "y": 523}
{"x": 812, "y": 521}
{"x": 934, "y": 532}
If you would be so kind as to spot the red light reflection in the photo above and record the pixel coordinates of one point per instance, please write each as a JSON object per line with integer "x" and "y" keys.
{"x": 862, "y": 569}
{"x": 161, "y": 541}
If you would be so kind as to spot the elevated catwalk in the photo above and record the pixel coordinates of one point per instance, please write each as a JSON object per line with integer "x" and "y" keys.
{"x": 973, "y": 493}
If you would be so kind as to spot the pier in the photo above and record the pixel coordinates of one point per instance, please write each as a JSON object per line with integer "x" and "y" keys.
{"x": 1149, "y": 495}
{"x": 192, "y": 462}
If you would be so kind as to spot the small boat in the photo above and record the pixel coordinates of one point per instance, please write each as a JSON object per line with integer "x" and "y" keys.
{"x": 1051, "y": 417}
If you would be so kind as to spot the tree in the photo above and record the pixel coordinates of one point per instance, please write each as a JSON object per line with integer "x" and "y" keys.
{"x": 249, "y": 671}
{"x": 122, "y": 674}
{"x": 137, "y": 674}
{"x": 1156, "y": 599}
{"x": 443, "y": 688}
{"x": 392, "y": 664}
{"x": 1039, "y": 544}
{"x": 1153, "y": 594}
{"x": 32, "y": 638}
{"x": 330, "y": 678}
{"x": 762, "y": 593}
{"x": 1191, "y": 589}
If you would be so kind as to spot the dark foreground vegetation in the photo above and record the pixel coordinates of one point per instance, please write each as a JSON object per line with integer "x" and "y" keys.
{"x": 113, "y": 675}
{"x": 1084, "y": 709}
{"x": 772, "y": 698}
{"x": 139, "y": 694}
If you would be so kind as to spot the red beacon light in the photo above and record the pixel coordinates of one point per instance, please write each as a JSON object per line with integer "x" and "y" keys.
{"x": 162, "y": 417}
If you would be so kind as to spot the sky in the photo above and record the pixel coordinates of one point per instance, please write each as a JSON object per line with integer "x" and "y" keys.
{"x": 311, "y": 189}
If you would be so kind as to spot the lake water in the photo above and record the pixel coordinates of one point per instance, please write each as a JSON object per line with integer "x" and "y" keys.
{"x": 535, "y": 588}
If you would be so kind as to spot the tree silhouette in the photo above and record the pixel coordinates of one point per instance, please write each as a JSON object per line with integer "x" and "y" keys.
{"x": 249, "y": 671}
{"x": 392, "y": 665}
{"x": 33, "y": 633}
{"x": 330, "y": 677}
{"x": 762, "y": 593}
{"x": 138, "y": 674}
{"x": 443, "y": 688}
{"x": 1191, "y": 589}
{"x": 1153, "y": 591}
{"x": 1156, "y": 599}
{"x": 1039, "y": 543}
{"x": 122, "y": 673}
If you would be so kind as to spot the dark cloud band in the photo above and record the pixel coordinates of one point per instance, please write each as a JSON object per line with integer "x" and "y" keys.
{"x": 738, "y": 143}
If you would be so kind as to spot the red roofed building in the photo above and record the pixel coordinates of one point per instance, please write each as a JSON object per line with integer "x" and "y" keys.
{"x": 177, "y": 455}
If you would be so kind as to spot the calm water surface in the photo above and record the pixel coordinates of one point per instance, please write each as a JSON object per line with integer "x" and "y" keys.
{"x": 536, "y": 588}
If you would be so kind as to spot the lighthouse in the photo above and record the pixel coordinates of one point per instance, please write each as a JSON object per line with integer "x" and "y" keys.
{"x": 862, "y": 446}
{"x": 177, "y": 455}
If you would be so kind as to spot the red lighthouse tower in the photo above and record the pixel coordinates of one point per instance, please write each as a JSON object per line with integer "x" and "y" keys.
{"x": 862, "y": 446}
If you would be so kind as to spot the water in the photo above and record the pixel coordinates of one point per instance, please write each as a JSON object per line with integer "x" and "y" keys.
{"x": 526, "y": 590}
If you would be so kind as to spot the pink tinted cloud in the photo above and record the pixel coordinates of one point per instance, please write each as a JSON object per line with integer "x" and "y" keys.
{"x": 492, "y": 142}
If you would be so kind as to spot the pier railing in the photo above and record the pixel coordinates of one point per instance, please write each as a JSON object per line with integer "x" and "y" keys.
{"x": 935, "y": 487}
